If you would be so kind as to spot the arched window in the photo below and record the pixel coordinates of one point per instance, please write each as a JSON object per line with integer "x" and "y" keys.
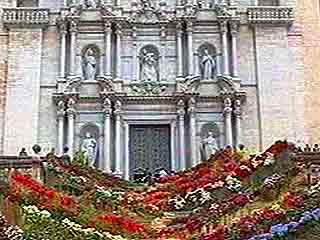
{"x": 27, "y": 3}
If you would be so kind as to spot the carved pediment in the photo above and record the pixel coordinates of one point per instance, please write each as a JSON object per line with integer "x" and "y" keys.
{"x": 190, "y": 84}
{"x": 146, "y": 13}
{"x": 226, "y": 84}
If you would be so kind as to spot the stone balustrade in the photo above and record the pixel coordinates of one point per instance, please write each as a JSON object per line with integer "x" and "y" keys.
{"x": 270, "y": 15}
{"x": 25, "y": 16}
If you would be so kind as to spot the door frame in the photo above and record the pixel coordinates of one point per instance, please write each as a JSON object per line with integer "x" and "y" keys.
{"x": 173, "y": 140}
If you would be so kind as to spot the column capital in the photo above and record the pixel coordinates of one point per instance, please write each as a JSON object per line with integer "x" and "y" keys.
{"x": 118, "y": 108}
{"x": 237, "y": 108}
{"x": 234, "y": 27}
{"x": 61, "y": 109}
{"x": 163, "y": 31}
{"x": 73, "y": 25}
{"x": 223, "y": 25}
{"x": 71, "y": 109}
{"x": 179, "y": 28}
{"x": 192, "y": 106}
{"x": 107, "y": 26}
{"x": 62, "y": 25}
{"x": 107, "y": 107}
{"x": 118, "y": 28}
{"x": 180, "y": 108}
{"x": 189, "y": 27}
{"x": 227, "y": 106}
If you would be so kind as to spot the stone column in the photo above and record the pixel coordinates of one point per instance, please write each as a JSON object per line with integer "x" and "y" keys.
{"x": 193, "y": 143}
{"x": 118, "y": 52}
{"x": 224, "y": 44}
{"x": 227, "y": 121}
{"x": 63, "y": 35}
{"x": 107, "y": 50}
{"x": 60, "y": 115}
{"x": 71, "y": 112}
{"x": 181, "y": 113}
{"x": 107, "y": 137}
{"x": 237, "y": 114}
{"x": 190, "y": 47}
{"x": 163, "y": 69}
{"x": 173, "y": 144}
{"x": 73, "y": 47}
{"x": 127, "y": 166}
{"x": 179, "y": 49}
{"x": 197, "y": 63}
{"x": 136, "y": 65}
{"x": 65, "y": 3}
{"x": 234, "y": 34}
{"x": 117, "y": 113}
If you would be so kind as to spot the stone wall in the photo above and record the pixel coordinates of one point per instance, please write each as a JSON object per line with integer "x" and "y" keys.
{"x": 308, "y": 14}
{"x": 23, "y": 89}
{"x": 280, "y": 84}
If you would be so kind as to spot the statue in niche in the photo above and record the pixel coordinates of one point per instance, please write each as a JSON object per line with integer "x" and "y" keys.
{"x": 146, "y": 4}
{"x": 209, "y": 146}
{"x": 149, "y": 70}
{"x": 89, "y": 148}
{"x": 208, "y": 65}
{"x": 89, "y": 65}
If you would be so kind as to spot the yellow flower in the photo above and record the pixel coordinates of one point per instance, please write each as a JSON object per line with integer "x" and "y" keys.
{"x": 276, "y": 206}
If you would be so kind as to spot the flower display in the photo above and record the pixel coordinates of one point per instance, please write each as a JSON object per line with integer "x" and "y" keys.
{"x": 219, "y": 199}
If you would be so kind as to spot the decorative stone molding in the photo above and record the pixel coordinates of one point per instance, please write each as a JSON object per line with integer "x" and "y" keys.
{"x": 192, "y": 106}
{"x": 180, "y": 108}
{"x": 270, "y": 15}
{"x": 118, "y": 108}
{"x": 106, "y": 84}
{"x": 73, "y": 25}
{"x": 189, "y": 85}
{"x": 60, "y": 108}
{"x": 226, "y": 84}
{"x": 71, "y": 106}
{"x": 227, "y": 106}
{"x": 148, "y": 88}
{"x": 38, "y": 17}
{"x": 62, "y": 25}
{"x": 73, "y": 83}
{"x": 107, "y": 106}
{"x": 237, "y": 108}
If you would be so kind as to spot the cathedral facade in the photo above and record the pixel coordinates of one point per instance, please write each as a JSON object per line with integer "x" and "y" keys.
{"x": 150, "y": 84}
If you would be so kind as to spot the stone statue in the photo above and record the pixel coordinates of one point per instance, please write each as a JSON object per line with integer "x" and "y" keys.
{"x": 149, "y": 72}
{"x": 146, "y": 4}
{"x": 89, "y": 148}
{"x": 208, "y": 65}
{"x": 89, "y": 65}
{"x": 91, "y": 3}
{"x": 210, "y": 146}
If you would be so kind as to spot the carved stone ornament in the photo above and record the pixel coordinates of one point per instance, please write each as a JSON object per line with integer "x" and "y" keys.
{"x": 73, "y": 83}
{"x": 60, "y": 108}
{"x": 148, "y": 88}
{"x": 146, "y": 13}
{"x": 106, "y": 84}
{"x": 190, "y": 84}
{"x": 222, "y": 10}
{"x": 226, "y": 84}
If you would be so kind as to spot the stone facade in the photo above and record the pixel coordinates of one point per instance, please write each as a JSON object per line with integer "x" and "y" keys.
{"x": 103, "y": 67}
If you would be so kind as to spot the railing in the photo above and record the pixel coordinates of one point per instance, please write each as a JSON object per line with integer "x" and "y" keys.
{"x": 24, "y": 164}
{"x": 25, "y": 16}
{"x": 265, "y": 15}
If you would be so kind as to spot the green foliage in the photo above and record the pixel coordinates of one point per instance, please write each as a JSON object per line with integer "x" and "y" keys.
{"x": 80, "y": 159}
